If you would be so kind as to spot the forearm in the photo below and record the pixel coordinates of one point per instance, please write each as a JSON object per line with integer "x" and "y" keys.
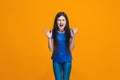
{"x": 50, "y": 44}
{"x": 71, "y": 44}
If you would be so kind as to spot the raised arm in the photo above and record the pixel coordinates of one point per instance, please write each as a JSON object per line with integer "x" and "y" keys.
{"x": 50, "y": 39}
{"x": 71, "y": 41}
{"x": 50, "y": 44}
{"x": 73, "y": 32}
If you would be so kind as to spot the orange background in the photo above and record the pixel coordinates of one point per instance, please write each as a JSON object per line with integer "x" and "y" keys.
{"x": 24, "y": 53}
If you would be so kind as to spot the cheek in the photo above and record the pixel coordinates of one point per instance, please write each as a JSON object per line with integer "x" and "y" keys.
{"x": 64, "y": 22}
{"x": 58, "y": 22}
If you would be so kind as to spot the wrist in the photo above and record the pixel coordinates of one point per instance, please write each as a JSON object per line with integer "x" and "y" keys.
{"x": 49, "y": 38}
{"x": 72, "y": 37}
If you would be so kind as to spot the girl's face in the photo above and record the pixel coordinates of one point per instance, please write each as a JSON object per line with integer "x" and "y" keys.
{"x": 61, "y": 22}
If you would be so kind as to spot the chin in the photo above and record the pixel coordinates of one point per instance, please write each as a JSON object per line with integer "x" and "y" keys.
{"x": 62, "y": 28}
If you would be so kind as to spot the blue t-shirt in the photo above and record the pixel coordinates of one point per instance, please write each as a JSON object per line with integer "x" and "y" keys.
{"x": 62, "y": 54}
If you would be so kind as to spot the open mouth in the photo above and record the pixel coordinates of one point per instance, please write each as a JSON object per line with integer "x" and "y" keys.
{"x": 61, "y": 25}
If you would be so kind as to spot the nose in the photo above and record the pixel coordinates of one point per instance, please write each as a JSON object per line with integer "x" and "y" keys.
{"x": 60, "y": 22}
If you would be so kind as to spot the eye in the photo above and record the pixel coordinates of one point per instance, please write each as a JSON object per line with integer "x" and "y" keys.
{"x": 63, "y": 19}
{"x": 58, "y": 19}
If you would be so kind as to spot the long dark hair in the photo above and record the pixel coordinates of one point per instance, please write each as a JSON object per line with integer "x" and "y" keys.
{"x": 66, "y": 28}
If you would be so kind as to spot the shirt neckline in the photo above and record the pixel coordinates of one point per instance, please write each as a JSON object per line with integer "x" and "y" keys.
{"x": 61, "y": 32}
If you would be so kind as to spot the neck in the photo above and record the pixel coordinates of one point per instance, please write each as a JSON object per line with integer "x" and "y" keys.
{"x": 61, "y": 30}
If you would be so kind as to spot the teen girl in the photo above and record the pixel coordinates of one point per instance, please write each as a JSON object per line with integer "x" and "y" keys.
{"x": 61, "y": 43}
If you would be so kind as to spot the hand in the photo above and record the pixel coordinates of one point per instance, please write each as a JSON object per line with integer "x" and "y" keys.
{"x": 48, "y": 33}
{"x": 74, "y": 31}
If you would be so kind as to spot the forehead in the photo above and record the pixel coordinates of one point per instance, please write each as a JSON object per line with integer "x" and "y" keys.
{"x": 61, "y": 17}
